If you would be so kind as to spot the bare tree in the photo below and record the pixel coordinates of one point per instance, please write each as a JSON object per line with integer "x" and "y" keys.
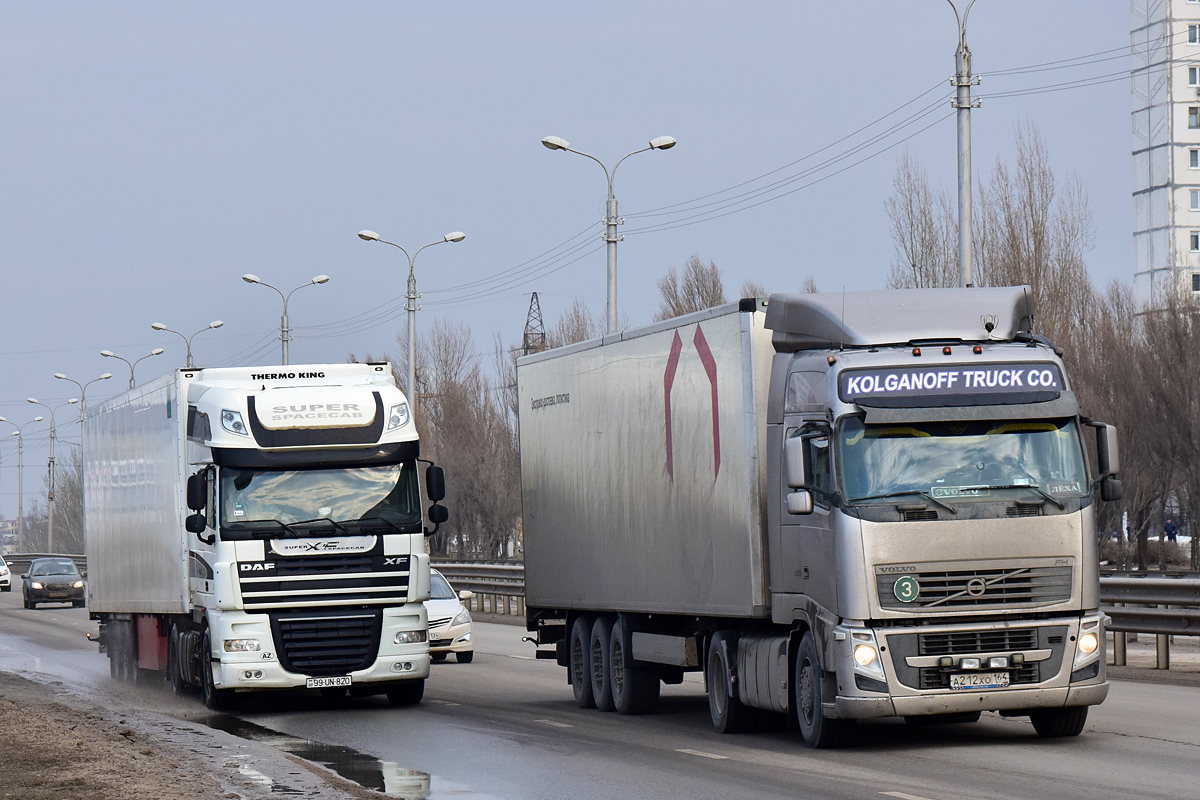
{"x": 698, "y": 288}
{"x": 924, "y": 231}
{"x": 575, "y": 325}
{"x": 752, "y": 288}
{"x": 809, "y": 286}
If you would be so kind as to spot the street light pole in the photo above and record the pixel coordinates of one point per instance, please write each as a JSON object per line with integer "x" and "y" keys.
{"x": 82, "y": 389}
{"x": 611, "y": 220}
{"x": 187, "y": 340}
{"x": 285, "y": 329}
{"x": 50, "y": 490}
{"x": 19, "y": 433}
{"x": 963, "y": 81}
{"x": 410, "y": 301}
{"x": 158, "y": 351}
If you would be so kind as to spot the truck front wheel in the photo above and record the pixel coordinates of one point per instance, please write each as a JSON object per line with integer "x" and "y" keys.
{"x": 214, "y": 699}
{"x": 808, "y": 694}
{"x": 579, "y": 661}
{"x": 407, "y": 693}
{"x": 1054, "y": 723}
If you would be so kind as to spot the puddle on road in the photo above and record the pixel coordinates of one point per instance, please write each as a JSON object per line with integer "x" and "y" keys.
{"x": 367, "y": 771}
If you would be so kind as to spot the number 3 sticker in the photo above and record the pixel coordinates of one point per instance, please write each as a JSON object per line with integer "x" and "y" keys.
{"x": 907, "y": 589}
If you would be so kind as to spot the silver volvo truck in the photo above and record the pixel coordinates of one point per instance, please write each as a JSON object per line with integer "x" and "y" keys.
{"x": 838, "y": 506}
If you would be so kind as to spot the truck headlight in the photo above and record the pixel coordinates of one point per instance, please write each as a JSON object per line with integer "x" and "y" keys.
{"x": 398, "y": 416}
{"x": 242, "y": 646}
{"x": 232, "y": 422}
{"x": 463, "y": 618}
{"x": 409, "y": 637}
{"x": 1088, "y": 643}
{"x": 864, "y": 655}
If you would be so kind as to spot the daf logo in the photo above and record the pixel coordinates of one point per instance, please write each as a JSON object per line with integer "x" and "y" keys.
{"x": 976, "y": 587}
{"x": 261, "y": 566}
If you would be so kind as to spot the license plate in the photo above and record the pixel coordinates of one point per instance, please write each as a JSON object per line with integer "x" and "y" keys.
{"x": 322, "y": 683}
{"x": 979, "y": 680}
{"x": 435, "y": 637}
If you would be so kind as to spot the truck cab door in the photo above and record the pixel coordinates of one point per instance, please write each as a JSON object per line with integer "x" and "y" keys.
{"x": 806, "y": 540}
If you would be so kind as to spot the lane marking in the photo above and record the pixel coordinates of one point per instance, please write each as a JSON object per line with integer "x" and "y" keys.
{"x": 903, "y": 796}
{"x": 554, "y": 723}
{"x": 523, "y": 658}
{"x": 445, "y": 703}
{"x": 702, "y": 754}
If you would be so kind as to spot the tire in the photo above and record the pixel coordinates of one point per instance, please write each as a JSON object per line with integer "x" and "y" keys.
{"x": 465, "y": 657}
{"x": 437, "y": 657}
{"x": 598, "y": 658}
{"x": 808, "y": 693}
{"x": 634, "y": 689}
{"x": 24, "y": 602}
{"x": 579, "y": 662}
{"x": 1056, "y": 723}
{"x": 408, "y": 693}
{"x": 214, "y": 699}
{"x": 174, "y": 672}
{"x": 77, "y": 604}
{"x": 729, "y": 714}
{"x": 31, "y": 604}
{"x": 943, "y": 719}
{"x": 333, "y": 692}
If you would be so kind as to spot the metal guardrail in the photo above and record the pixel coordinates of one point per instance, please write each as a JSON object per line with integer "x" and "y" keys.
{"x": 18, "y": 563}
{"x": 494, "y": 581}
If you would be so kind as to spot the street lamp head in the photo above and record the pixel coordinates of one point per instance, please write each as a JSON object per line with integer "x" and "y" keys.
{"x": 18, "y": 433}
{"x": 368, "y": 236}
{"x": 321, "y": 279}
{"x": 456, "y": 236}
{"x": 158, "y": 326}
{"x": 73, "y": 401}
{"x": 60, "y": 376}
{"x": 38, "y": 419}
{"x": 662, "y": 143}
{"x": 557, "y": 143}
{"x": 158, "y": 351}
{"x": 105, "y": 376}
{"x": 108, "y": 354}
{"x": 215, "y": 323}
{"x": 251, "y": 278}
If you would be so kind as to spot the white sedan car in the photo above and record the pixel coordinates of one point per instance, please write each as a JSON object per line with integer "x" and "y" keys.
{"x": 449, "y": 621}
{"x": 5, "y": 577}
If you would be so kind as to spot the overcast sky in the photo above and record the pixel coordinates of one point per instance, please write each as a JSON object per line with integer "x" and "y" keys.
{"x": 154, "y": 152}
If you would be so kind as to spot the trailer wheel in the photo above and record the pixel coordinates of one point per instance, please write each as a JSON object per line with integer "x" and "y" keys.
{"x": 818, "y": 730}
{"x": 1054, "y": 723}
{"x": 214, "y": 699}
{"x": 601, "y": 667}
{"x": 579, "y": 661}
{"x": 634, "y": 689}
{"x": 729, "y": 714}
{"x": 407, "y": 693}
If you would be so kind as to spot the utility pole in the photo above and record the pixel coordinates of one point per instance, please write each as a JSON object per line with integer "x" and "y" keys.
{"x": 963, "y": 81}
{"x": 534, "y": 340}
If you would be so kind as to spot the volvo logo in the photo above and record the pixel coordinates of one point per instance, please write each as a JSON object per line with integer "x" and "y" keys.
{"x": 976, "y": 587}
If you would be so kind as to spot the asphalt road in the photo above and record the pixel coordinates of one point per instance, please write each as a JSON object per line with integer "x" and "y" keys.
{"x": 505, "y": 726}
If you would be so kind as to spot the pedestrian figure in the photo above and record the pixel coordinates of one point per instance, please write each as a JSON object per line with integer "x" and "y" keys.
{"x": 1171, "y": 529}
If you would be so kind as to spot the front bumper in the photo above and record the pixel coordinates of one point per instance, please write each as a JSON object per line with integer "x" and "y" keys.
{"x": 71, "y": 595}
{"x": 454, "y": 639}
{"x": 910, "y": 679}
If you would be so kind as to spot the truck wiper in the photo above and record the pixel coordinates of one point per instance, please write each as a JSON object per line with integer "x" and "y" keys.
{"x": 259, "y": 533}
{"x": 391, "y": 525}
{"x": 336, "y": 525}
{"x": 908, "y": 493}
{"x": 1035, "y": 488}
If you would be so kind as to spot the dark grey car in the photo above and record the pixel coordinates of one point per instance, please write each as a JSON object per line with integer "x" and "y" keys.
{"x": 52, "y": 580}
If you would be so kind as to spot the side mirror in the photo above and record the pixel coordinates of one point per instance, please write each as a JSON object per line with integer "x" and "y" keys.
{"x": 195, "y": 523}
{"x": 438, "y": 514}
{"x": 24, "y": 575}
{"x": 1106, "y": 450}
{"x": 1111, "y": 489}
{"x": 794, "y": 467}
{"x": 465, "y": 594}
{"x": 800, "y": 502}
{"x": 435, "y": 483}
{"x": 197, "y": 492}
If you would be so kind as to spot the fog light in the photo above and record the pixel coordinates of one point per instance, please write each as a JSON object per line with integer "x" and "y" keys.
{"x": 946, "y": 662}
{"x": 864, "y": 654}
{"x": 402, "y": 666}
{"x": 1088, "y": 643}
{"x": 247, "y": 675}
{"x": 998, "y": 662}
{"x": 409, "y": 637}
{"x": 1018, "y": 659}
{"x": 242, "y": 646}
{"x": 969, "y": 663}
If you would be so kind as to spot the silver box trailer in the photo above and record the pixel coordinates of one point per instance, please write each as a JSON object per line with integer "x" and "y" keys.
{"x": 838, "y": 506}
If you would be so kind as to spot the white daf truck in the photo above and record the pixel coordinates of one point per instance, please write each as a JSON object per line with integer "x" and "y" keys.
{"x": 260, "y": 528}
{"x": 837, "y": 506}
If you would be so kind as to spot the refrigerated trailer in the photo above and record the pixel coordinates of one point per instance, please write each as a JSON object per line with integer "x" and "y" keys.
{"x": 259, "y": 528}
{"x": 836, "y": 506}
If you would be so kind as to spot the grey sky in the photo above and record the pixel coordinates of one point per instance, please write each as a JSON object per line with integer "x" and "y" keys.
{"x": 155, "y": 152}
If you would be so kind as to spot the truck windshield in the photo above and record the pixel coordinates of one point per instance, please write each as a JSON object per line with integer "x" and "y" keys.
{"x": 949, "y": 461}
{"x": 258, "y": 500}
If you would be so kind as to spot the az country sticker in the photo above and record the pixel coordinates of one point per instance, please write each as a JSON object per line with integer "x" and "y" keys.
{"x": 906, "y": 589}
